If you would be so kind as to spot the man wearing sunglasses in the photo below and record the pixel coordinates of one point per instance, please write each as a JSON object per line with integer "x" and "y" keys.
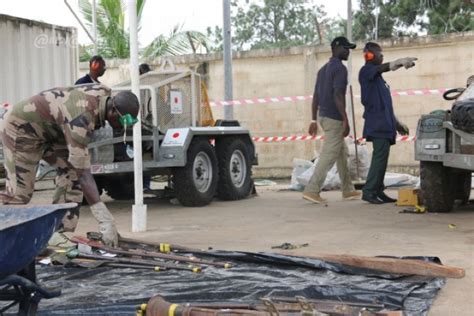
{"x": 56, "y": 125}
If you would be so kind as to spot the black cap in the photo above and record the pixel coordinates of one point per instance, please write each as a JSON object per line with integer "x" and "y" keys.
{"x": 342, "y": 41}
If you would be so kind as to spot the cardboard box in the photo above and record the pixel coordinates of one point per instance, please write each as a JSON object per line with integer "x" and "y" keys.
{"x": 408, "y": 196}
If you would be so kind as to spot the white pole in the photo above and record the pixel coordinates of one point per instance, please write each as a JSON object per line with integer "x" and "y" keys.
{"x": 139, "y": 210}
{"x": 349, "y": 62}
{"x": 228, "y": 92}
{"x": 377, "y": 12}
{"x": 94, "y": 25}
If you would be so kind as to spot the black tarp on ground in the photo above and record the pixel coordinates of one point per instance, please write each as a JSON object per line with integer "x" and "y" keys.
{"x": 107, "y": 291}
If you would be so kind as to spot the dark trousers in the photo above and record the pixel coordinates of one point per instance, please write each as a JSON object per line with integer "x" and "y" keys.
{"x": 378, "y": 166}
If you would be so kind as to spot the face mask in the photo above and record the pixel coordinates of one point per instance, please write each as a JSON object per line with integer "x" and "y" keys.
{"x": 125, "y": 121}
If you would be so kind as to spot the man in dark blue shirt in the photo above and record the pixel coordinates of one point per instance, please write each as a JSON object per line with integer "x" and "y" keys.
{"x": 381, "y": 125}
{"x": 329, "y": 98}
{"x": 96, "y": 69}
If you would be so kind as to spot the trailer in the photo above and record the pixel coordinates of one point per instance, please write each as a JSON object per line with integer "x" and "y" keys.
{"x": 200, "y": 161}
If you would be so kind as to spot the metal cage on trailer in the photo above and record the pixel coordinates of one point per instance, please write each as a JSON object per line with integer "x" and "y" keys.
{"x": 201, "y": 161}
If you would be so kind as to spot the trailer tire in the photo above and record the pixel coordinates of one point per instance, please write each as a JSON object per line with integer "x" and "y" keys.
{"x": 235, "y": 171}
{"x": 462, "y": 115}
{"x": 121, "y": 187}
{"x": 436, "y": 187}
{"x": 195, "y": 184}
{"x": 462, "y": 182}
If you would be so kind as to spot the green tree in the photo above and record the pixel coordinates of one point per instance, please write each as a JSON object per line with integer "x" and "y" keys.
{"x": 274, "y": 23}
{"x": 446, "y": 16}
{"x": 178, "y": 42}
{"x": 409, "y": 17}
{"x": 113, "y": 38}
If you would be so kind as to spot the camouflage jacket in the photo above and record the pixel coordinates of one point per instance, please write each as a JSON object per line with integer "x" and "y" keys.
{"x": 65, "y": 116}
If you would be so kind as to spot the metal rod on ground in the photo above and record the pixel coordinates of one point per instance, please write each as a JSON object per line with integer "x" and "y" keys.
{"x": 129, "y": 242}
{"x": 149, "y": 254}
{"x": 151, "y": 263}
{"x": 139, "y": 210}
{"x": 355, "y": 132}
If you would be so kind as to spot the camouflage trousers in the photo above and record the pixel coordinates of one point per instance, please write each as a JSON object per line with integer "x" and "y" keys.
{"x": 23, "y": 149}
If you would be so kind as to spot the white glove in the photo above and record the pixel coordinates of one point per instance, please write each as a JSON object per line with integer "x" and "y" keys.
{"x": 406, "y": 62}
{"x": 106, "y": 224}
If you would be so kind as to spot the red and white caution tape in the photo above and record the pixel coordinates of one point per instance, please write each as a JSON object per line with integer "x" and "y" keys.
{"x": 267, "y": 100}
{"x": 278, "y": 139}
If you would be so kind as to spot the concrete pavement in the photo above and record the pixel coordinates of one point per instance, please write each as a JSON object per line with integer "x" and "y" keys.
{"x": 342, "y": 227}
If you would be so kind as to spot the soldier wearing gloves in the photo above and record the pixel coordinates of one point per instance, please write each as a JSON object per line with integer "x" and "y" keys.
{"x": 381, "y": 124}
{"x": 55, "y": 125}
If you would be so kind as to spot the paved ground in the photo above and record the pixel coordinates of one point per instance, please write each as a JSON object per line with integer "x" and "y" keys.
{"x": 342, "y": 227}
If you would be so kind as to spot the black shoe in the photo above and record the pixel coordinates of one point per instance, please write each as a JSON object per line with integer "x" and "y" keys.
{"x": 385, "y": 198}
{"x": 372, "y": 199}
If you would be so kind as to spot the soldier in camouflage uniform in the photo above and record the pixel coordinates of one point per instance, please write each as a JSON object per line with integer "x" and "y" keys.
{"x": 55, "y": 125}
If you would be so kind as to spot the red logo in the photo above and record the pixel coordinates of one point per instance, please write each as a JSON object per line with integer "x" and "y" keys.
{"x": 176, "y": 135}
{"x": 176, "y": 100}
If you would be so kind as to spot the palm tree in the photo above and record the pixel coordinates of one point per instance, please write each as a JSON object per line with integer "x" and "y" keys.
{"x": 179, "y": 42}
{"x": 113, "y": 38}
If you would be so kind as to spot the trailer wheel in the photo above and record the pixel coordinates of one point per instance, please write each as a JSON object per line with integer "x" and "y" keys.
{"x": 462, "y": 182}
{"x": 436, "y": 186}
{"x": 121, "y": 187}
{"x": 195, "y": 183}
{"x": 235, "y": 170}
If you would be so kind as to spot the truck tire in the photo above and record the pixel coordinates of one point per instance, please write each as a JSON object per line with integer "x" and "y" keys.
{"x": 235, "y": 182}
{"x": 436, "y": 186}
{"x": 462, "y": 182}
{"x": 462, "y": 115}
{"x": 195, "y": 184}
{"x": 121, "y": 187}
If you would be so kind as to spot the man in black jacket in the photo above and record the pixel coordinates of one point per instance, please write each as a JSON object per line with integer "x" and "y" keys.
{"x": 381, "y": 125}
{"x": 96, "y": 69}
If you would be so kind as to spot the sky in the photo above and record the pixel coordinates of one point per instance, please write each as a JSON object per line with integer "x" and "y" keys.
{"x": 159, "y": 16}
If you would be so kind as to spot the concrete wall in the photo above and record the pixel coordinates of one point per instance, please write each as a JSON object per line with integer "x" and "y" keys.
{"x": 444, "y": 61}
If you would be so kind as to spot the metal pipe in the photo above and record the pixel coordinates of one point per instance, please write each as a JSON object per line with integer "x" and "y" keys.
{"x": 139, "y": 210}
{"x": 79, "y": 20}
{"x": 377, "y": 12}
{"x": 355, "y": 133}
{"x": 228, "y": 92}
{"x": 94, "y": 25}
{"x": 349, "y": 104}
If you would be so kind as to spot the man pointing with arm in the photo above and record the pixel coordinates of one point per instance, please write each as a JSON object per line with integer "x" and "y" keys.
{"x": 381, "y": 125}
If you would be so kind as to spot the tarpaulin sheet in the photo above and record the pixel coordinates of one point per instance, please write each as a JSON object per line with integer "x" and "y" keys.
{"x": 114, "y": 291}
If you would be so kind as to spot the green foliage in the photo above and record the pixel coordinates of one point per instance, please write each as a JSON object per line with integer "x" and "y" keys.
{"x": 177, "y": 43}
{"x": 409, "y": 17}
{"x": 113, "y": 38}
{"x": 447, "y": 16}
{"x": 274, "y": 23}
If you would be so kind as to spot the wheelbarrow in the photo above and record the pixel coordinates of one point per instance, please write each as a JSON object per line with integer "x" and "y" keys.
{"x": 24, "y": 231}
